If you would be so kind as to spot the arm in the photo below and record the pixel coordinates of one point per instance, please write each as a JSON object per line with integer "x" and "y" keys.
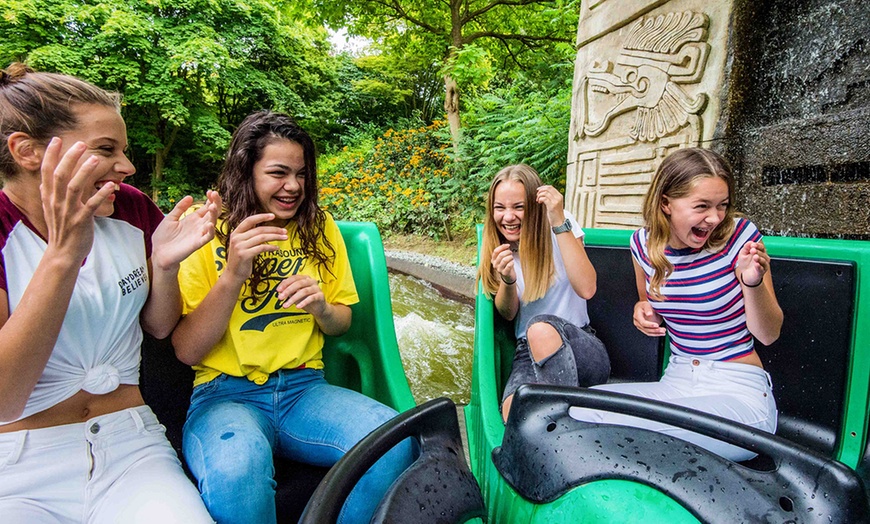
{"x": 173, "y": 241}
{"x": 507, "y": 300}
{"x": 28, "y": 336}
{"x": 198, "y": 332}
{"x": 645, "y": 318}
{"x": 579, "y": 268}
{"x": 581, "y": 274}
{"x": 763, "y": 314}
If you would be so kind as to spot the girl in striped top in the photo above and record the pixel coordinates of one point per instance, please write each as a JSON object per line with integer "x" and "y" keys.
{"x": 705, "y": 273}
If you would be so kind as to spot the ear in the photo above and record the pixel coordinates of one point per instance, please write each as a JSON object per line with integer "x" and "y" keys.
{"x": 666, "y": 206}
{"x": 26, "y": 151}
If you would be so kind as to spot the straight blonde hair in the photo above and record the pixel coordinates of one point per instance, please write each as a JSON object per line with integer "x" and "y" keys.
{"x": 535, "y": 246}
{"x": 676, "y": 176}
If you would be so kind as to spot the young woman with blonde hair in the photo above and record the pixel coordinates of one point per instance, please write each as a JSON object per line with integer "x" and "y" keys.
{"x": 705, "y": 272}
{"x": 84, "y": 259}
{"x": 534, "y": 265}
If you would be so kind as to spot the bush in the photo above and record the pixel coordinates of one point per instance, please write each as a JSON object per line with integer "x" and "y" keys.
{"x": 400, "y": 180}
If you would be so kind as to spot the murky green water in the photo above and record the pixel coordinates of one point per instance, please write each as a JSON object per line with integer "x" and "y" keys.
{"x": 436, "y": 337}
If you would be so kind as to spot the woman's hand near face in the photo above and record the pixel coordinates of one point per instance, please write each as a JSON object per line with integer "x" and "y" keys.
{"x": 175, "y": 239}
{"x": 248, "y": 241}
{"x": 763, "y": 314}
{"x": 503, "y": 262}
{"x": 178, "y": 236}
{"x": 507, "y": 300}
{"x": 69, "y": 220}
{"x": 552, "y": 199}
{"x": 752, "y": 263}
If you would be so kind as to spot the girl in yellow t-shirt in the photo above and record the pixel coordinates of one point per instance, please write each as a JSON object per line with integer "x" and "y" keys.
{"x": 257, "y": 301}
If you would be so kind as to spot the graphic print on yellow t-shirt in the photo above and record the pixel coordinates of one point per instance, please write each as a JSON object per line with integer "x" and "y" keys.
{"x": 263, "y": 336}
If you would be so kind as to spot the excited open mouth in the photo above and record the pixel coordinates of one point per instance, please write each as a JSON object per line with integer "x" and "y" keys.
{"x": 287, "y": 202}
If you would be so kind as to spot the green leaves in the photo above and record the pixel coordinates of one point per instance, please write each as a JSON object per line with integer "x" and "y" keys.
{"x": 469, "y": 66}
{"x": 188, "y": 70}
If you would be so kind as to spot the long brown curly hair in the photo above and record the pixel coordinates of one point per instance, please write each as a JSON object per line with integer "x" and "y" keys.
{"x": 236, "y": 187}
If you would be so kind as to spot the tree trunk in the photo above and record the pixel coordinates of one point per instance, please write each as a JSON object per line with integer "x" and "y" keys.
{"x": 159, "y": 161}
{"x": 451, "y": 106}
{"x": 157, "y": 175}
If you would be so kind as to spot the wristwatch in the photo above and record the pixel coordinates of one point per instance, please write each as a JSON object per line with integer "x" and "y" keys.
{"x": 563, "y": 228}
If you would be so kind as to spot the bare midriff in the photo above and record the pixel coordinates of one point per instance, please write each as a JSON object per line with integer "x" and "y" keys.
{"x": 79, "y": 408}
{"x": 751, "y": 358}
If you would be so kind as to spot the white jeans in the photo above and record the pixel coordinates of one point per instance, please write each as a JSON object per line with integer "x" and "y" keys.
{"x": 116, "y": 468}
{"x": 739, "y": 392}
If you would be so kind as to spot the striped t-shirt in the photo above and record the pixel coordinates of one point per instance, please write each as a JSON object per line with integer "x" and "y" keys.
{"x": 703, "y": 304}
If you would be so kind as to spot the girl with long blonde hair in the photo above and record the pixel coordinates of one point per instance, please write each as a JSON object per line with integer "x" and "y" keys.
{"x": 534, "y": 265}
{"x": 705, "y": 273}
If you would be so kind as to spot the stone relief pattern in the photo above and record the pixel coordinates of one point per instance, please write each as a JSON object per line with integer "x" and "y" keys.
{"x": 629, "y": 112}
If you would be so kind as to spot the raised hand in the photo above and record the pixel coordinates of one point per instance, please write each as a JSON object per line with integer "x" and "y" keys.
{"x": 647, "y": 320}
{"x": 69, "y": 218}
{"x": 249, "y": 240}
{"x": 752, "y": 263}
{"x": 178, "y": 236}
{"x": 503, "y": 262}
{"x": 303, "y": 292}
{"x": 552, "y": 199}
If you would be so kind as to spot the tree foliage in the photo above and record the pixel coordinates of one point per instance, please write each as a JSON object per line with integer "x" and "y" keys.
{"x": 188, "y": 70}
{"x": 509, "y": 33}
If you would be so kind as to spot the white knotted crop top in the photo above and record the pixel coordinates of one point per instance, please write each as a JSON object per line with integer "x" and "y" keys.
{"x": 99, "y": 343}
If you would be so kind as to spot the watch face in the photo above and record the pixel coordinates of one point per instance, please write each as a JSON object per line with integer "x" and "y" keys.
{"x": 565, "y": 226}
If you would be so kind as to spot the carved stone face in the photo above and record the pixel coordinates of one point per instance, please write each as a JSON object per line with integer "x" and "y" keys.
{"x": 657, "y": 55}
{"x": 617, "y": 89}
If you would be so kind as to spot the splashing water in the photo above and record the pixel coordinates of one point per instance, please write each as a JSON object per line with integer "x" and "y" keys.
{"x": 435, "y": 336}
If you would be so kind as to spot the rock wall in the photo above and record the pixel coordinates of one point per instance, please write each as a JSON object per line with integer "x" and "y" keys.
{"x": 780, "y": 87}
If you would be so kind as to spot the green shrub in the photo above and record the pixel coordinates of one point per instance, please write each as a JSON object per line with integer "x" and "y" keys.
{"x": 400, "y": 180}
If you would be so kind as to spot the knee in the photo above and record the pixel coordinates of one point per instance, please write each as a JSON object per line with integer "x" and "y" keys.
{"x": 543, "y": 339}
{"x": 231, "y": 456}
{"x": 506, "y": 407}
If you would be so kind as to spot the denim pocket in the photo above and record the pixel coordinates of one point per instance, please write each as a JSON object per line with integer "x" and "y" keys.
{"x": 208, "y": 387}
{"x": 203, "y": 391}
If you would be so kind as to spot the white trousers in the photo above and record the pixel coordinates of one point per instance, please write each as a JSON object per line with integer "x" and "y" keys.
{"x": 116, "y": 468}
{"x": 739, "y": 392}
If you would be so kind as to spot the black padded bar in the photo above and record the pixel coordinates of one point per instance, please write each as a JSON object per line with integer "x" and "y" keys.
{"x": 803, "y": 485}
{"x": 437, "y": 488}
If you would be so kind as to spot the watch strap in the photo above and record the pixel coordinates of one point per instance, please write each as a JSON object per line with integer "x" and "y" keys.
{"x": 563, "y": 227}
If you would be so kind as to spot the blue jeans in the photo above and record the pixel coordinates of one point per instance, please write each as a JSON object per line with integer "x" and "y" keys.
{"x": 234, "y": 427}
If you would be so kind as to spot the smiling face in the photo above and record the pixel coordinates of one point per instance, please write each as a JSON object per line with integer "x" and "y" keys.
{"x": 279, "y": 179}
{"x": 508, "y": 209}
{"x": 102, "y": 129}
{"x": 694, "y": 217}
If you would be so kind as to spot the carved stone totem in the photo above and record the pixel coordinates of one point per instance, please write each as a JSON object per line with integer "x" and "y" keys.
{"x": 780, "y": 87}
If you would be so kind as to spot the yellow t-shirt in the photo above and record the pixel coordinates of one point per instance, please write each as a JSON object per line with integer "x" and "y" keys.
{"x": 263, "y": 337}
